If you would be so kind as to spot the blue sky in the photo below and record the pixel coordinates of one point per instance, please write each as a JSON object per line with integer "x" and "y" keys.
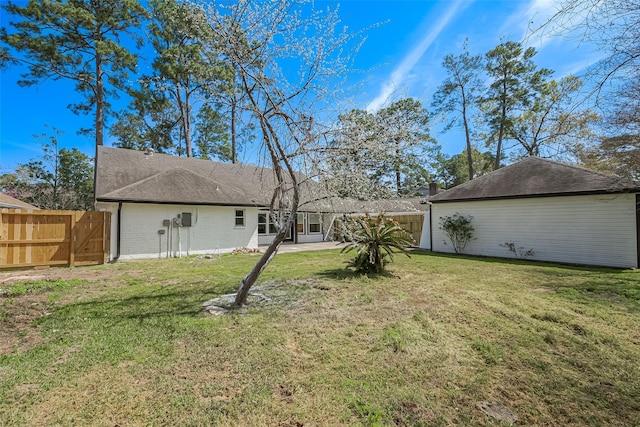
{"x": 402, "y": 58}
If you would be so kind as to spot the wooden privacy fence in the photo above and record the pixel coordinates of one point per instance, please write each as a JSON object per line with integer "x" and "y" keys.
{"x": 31, "y": 238}
{"x": 412, "y": 223}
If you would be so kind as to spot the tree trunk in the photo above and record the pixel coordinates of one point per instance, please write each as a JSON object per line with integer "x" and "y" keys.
{"x": 397, "y": 170}
{"x": 234, "y": 155}
{"x": 99, "y": 102}
{"x": 185, "y": 118}
{"x": 499, "y": 148}
{"x": 99, "y": 121}
{"x": 250, "y": 279}
{"x": 468, "y": 138}
{"x": 503, "y": 119}
{"x": 187, "y": 124}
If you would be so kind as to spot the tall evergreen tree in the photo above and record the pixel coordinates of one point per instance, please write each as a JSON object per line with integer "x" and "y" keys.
{"x": 403, "y": 129}
{"x": 515, "y": 79}
{"x": 79, "y": 40}
{"x": 459, "y": 93}
{"x": 177, "y": 99}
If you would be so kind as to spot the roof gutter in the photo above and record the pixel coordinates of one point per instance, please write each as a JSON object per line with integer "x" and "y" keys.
{"x": 156, "y": 202}
{"x": 533, "y": 196}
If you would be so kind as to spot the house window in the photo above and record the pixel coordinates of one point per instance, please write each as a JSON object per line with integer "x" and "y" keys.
{"x": 300, "y": 225}
{"x": 262, "y": 223}
{"x": 314, "y": 223}
{"x": 239, "y": 217}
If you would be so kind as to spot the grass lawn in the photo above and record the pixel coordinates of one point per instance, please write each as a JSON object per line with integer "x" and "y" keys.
{"x": 424, "y": 345}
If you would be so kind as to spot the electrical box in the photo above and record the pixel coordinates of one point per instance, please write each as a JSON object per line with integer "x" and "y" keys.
{"x": 166, "y": 222}
{"x": 185, "y": 219}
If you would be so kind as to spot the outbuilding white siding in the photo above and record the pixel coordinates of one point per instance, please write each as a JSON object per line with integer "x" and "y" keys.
{"x": 594, "y": 230}
{"x": 213, "y": 230}
{"x": 425, "y": 237}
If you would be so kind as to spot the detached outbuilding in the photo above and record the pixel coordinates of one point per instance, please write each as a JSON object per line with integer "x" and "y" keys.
{"x": 553, "y": 211}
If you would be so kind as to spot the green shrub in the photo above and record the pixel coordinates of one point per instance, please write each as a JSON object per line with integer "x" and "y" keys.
{"x": 374, "y": 240}
{"x": 459, "y": 230}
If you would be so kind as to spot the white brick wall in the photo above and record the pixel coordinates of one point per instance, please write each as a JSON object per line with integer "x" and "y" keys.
{"x": 596, "y": 230}
{"x": 213, "y": 230}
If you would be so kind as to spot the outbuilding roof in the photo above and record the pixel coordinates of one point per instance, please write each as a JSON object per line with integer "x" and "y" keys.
{"x": 536, "y": 177}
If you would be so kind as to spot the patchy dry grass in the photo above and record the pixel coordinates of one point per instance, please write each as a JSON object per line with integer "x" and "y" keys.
{"x": 423, "y": 345}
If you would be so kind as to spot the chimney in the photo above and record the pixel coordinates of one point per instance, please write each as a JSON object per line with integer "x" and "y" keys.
{"x": 433, "y": 189}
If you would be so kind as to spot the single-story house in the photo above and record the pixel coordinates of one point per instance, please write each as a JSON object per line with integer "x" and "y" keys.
{"x": 165, "y": 206}
{"x": 9, "y": 202}
{"x": 547, "y": 211}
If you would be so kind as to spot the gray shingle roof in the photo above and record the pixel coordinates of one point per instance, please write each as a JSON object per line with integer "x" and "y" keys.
{"x": 334, "y": 204}
{"x": 536, "y": 177}
{"x": 130, "y": 175}
{"x": 134, "y": 176}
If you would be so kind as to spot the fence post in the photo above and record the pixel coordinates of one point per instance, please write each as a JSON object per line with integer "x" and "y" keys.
{"x": 72, "y": 243}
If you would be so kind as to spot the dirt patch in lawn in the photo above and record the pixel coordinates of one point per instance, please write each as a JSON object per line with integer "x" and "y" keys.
{"x": 18, "y": 331}
{"x": 19, "y": 314}
{"x": 49, "y": 274}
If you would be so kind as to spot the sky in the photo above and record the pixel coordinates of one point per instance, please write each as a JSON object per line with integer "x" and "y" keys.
{"x": 400, "y": 58}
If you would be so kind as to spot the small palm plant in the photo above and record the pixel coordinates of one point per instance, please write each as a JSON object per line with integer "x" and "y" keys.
{"x": 374, "y": 240}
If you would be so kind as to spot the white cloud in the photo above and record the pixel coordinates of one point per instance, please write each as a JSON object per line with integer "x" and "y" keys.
{"x": 402, "y": 71}
{"x": 528, "y": 17}
{"x": 581, "y": 65}
{"x": 559, "y": 46}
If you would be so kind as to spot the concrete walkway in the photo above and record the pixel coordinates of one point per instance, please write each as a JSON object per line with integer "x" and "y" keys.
{"x": 300, "y": 247}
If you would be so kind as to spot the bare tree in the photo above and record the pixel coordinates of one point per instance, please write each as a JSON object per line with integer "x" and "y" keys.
{"x": 611, "y": 25}
{"x": 286, "y": 55}
{"x": 551, "y": 126}
{"x": 381, "y": 154}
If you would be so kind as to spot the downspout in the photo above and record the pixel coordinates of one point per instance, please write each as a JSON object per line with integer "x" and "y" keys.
{"x": 171, "y": 253}
{"x": 179, "y": 242}
{"x": 431, "y": 226}
{"x": 169, "y": 239}
{"x": 119, "y": 216}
